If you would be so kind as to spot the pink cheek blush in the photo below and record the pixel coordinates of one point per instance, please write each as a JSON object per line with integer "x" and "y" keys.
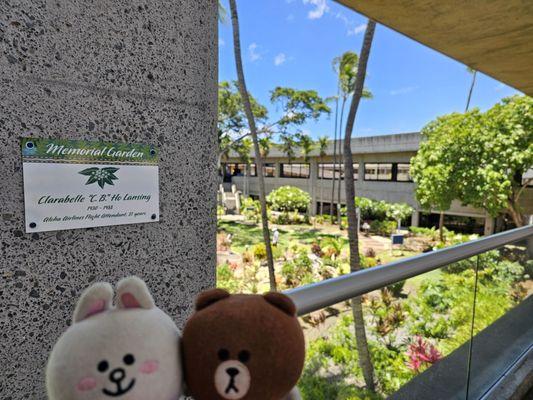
{"x": 149, "y": 367}
{"x": 86, "y": 384}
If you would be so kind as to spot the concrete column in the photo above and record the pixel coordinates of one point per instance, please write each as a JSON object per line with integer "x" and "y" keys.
{"x": 313, "y": 189}
{"x": 415, "y": 218}
{"x": 277, "y": 171}
{"x": 489, "y": 225}
{"x": 122, "y": 71}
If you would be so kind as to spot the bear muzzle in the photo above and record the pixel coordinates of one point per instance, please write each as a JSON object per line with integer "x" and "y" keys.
{"x": 232, "y": 380}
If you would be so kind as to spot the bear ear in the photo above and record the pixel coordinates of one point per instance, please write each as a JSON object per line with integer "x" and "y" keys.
{"x": 281, "y": 301}
{"x": 132, "y": 292}
{"x": 211, "y": 296}
{"x": 94, "y": 300}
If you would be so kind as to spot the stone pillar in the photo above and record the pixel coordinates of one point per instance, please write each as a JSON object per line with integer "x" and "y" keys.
{"x": 122, "y": 71}
{"x": 489, "y": 225}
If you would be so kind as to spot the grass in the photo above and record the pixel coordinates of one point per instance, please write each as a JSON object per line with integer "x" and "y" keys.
{"x": 247, "y": 235}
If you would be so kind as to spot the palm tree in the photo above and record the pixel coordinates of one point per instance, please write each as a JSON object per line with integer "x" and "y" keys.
{"x": 265, "y": 144}
{"x": 474, "y": 73}
{"x": 322, "y": 147}
{"x": 222, "y": 13}
{"x": 365, "y": 361}
{"x": 253, "y": 129}
{"x": 346, "y": 68}
{"x": 287, "y": 145}
{"x": 306, "y": 145}
{"x": 334, "y": 155}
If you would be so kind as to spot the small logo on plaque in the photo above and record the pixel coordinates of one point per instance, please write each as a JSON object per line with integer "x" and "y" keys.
{"x": 100, "y": 175}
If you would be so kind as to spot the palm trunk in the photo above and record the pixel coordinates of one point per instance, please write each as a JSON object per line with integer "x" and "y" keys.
{"x": 253, "y": 130}
{"x": 441, "y": 226}
{"x": 470, "y": 91}
{"x": 322, "y": 191}
{"x": 334, "y": 156}
{"x": 339, "y": 220}
{"x": 365, "y": 360}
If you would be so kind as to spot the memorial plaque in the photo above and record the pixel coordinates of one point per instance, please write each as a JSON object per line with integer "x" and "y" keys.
{"x": 70, "y": 184}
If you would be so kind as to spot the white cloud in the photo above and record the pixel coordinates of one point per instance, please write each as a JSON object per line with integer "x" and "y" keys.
{"x": 253, "y": 52}
{"x": 403, "y": 90}
{"x": 221, "y": 42}
{"x": 499, "y": 87}
{"x": 357, "y": 30}
{"x": 280, "y": 59}
{"x": 343, "y": 18}
{"x": 320, "y": 8}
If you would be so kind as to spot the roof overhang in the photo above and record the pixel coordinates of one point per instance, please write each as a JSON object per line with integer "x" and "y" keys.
{"x": 494, "y": 37}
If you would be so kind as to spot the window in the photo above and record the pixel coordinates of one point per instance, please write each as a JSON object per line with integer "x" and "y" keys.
{"x": 402, "y": 173}
{"x": 384, "y": 172}
{"x": 235, "y": 169}
{"x": 269, "y": 170}
{"x": 295, "y": 171}
{"x": 327, "y": 171}
{"x": 378, "y": 172}
{"x": 392, "y": 172}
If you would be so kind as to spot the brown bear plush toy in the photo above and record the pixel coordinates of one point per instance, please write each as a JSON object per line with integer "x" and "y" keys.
{"x": 247, "y": 347}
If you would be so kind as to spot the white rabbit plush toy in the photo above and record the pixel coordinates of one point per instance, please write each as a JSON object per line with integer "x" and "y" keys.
{"x": 128, "y": 352}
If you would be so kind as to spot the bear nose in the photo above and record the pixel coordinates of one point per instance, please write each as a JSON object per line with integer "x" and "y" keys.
{"x": 117, "y": 375}
{"x": 232, "y": 372}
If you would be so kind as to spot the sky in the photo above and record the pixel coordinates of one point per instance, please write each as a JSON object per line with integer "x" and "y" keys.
{"x": 292, "y": 43}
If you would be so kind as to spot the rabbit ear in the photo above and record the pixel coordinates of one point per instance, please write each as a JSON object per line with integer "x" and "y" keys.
{"x": 94, "y": 300}
{"x": 132, "y": 292}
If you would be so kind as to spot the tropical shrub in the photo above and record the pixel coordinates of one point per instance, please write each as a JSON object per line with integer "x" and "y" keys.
{"x": 316, "y": 250}
{"x": 396, "y": 289}
{"x": 332, "y": 247}
{"x": 370, "y": 252}
{"x": 297, "y": 271}
{"x": 226, "y": 278}
{"x": 384, "y": 228}
{"x": 289, "y": 198}
{"x": 259, "y": 251}
{"x": 287, "y": 218}
{"x": 251, "y": 209}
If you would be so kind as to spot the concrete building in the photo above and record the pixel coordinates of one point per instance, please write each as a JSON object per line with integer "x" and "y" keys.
{"x": 382, "y": 173}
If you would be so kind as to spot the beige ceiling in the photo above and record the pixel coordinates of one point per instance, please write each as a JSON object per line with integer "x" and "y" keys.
{"x": 491, "y": 36}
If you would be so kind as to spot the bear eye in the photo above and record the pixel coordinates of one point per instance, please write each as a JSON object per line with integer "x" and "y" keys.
{"x": 223, "y": 354}
{"x": 244, "y": 356}
{"x": 129, "y": 359}
{"x": 103, "y": 366}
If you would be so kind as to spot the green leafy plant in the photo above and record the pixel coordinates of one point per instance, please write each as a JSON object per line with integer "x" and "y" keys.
{"x": 289, "y": 198}
{"x": 384, "y": 228}
{"x": 226, "y": 278}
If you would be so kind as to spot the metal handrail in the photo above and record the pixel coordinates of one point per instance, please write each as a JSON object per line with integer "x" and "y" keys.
{"x": 326, "y": 293}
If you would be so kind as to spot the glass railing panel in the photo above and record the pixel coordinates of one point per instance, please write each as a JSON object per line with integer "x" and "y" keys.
{"x": 503, "y": 315}
{"x": 410, "y": 327}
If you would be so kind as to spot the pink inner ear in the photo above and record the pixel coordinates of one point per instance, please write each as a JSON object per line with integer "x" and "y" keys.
{"x": 129, "y": 301}
{"x": 97, "y": 307}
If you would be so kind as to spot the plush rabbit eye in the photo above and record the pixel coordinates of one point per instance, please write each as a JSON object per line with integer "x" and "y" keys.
{"x": 223, "y": 354}
{"x": 103, "y": 366}
{"x": 129, "y": 359}
{"x": 244, "y": 356}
